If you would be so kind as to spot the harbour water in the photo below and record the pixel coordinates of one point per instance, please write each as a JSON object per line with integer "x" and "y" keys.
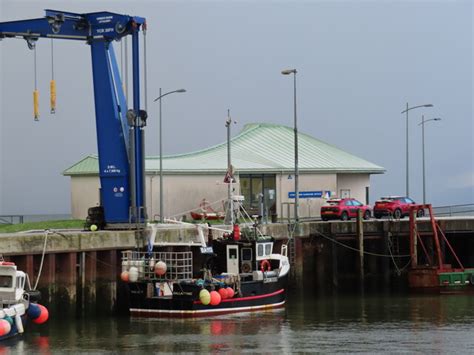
{"x": 310, "y": 323}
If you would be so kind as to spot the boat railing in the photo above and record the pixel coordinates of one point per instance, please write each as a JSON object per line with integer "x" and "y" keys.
{"x": 173, "y": 266}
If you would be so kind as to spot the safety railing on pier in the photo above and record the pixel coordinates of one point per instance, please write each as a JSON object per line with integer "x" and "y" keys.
{"x": 11, "y": 219}
{"x": 454, "y": 210}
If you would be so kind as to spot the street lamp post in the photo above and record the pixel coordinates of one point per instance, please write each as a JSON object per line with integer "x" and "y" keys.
{"x": 407, "y": 158}
{"x": 422, "y": 124}
{"x": 161, "y": 148}
{"x": 288, "y": 72}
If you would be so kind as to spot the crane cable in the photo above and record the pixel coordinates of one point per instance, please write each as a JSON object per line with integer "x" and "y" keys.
{"x": 52, "y": 84}
{"x": 35, "y": 91}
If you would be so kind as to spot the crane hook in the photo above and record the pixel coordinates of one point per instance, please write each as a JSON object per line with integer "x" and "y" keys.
{"x": 31, "y": 41}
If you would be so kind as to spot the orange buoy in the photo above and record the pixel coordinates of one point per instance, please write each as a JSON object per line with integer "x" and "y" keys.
{"x": 44, "y": 315}
{"x": 125, "y": 276}
{"x": 223, "y": 292}
{"x": 215, "y": 298}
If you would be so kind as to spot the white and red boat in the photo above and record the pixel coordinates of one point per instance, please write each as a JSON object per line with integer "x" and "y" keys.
{"x": 238, "y": 272}
{"x": 17, "y": 305}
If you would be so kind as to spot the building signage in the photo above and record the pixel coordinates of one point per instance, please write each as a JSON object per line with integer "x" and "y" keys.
{"x": 306, "y": 194}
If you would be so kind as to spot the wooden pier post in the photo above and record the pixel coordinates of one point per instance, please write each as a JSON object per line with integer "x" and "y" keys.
{"x": 335, "y": 278}
{"x": 413, "y": 240}
{"x": 360, "y": 240}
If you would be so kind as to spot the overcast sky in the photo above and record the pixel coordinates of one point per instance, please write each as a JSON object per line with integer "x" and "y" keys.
{"x": 358, "y": 62}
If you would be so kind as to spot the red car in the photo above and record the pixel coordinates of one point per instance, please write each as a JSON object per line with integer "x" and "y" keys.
{"x": 344, "y": 209}
{"x": 395, "y": 206}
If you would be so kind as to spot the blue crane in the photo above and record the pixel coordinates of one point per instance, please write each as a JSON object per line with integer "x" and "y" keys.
{"x": 120, "y": 131}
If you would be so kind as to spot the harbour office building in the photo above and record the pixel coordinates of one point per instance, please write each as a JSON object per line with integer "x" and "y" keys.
{"x": 263, "y": 161}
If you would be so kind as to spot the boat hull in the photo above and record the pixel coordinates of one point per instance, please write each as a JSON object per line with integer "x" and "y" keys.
{"x": 255, "y": 296}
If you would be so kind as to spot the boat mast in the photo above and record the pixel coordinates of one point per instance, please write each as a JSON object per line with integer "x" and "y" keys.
{"x": 229, "y": 174}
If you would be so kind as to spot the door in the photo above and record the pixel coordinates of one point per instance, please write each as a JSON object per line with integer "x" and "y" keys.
{"x": 232, "y": 259}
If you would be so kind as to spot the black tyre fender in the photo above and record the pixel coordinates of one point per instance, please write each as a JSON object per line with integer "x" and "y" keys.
{"x": 344, "y": 216}
{"x": 367, "y": 214}
{"x": 420, "y": 213}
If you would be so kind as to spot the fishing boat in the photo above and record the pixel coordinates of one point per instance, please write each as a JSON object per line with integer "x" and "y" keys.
{"x": 236, "y": 272}
{"x": 17, "y": 304}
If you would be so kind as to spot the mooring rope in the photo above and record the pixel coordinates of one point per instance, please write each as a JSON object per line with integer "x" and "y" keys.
{"x": 358, "y": 250}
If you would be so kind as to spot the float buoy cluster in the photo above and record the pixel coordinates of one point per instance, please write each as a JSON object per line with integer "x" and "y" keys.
{"x": 214, "y": 298}
{"x": 132, "y": 274}
{"x": 38, "y": 313}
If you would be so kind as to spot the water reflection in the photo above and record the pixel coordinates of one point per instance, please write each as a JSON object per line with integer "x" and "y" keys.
{"x": 309, "y": 323}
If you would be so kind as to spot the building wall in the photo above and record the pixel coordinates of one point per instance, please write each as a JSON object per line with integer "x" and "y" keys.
{"x": 84, "y": 194}
{"x": 355, "y": 183}
{"x": 309, "y": 207}
{"x": 185, "y": 192}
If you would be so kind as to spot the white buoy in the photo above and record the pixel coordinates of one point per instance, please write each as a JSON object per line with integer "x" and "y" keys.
{"x": 133, "y": 274}
{"x": 160, "y": 268}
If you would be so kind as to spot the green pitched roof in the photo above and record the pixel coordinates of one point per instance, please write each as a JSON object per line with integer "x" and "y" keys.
{"x": 259, "y": 147}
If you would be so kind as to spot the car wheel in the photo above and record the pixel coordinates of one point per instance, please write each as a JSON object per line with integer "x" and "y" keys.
{"x": 397, "y": 214}
{"x": 344, "y": 216}
{"x": 420, "y": 213}
{"x": 367, "y": 214}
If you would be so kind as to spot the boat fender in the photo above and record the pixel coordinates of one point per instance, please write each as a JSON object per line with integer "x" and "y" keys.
{"x": 215, "y": 298}
{"x": 223, "y": 292}
{"x": 19, "y": 323}
{"x": 5, "y": 327}
{"x": 265, "y": 265}
{"x": 230, "y": 292}
{"x": 204, "y": 297}
{"x": 44, "y": 315}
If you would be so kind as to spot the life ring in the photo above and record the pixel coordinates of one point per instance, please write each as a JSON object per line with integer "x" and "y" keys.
{"x": 265, "y": 265}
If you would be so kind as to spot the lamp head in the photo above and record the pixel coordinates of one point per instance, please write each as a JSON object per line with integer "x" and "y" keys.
{"x": 181, "y": 90}
{"x": 428, "y": 105}
{"x": 288, "y": 71}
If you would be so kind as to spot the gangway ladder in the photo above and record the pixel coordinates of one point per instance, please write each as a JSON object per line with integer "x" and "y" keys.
{"x": 415, "y": 237}
{"x": 429, "y": 273}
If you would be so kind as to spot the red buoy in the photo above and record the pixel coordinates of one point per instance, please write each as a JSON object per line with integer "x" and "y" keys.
{"x": 236, "y": 232}
{"x": 44, "y": 315}
{"x": 215, "y": 298}
{"x": 230, "y": 292}
{"x": 223, "y": 292}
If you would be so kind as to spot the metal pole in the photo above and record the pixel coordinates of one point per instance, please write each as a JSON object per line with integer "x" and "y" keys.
{"x": 296, "y": 151}
{"x": 229, "y": 164}
{"x": 407, "y": 163}
{"x": 161, "y": 164}
{"x": 423, "y": 154}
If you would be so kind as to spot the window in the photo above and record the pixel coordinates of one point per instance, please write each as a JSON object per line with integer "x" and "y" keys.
{"x": 268, "y": 249}
{"x": 253, "y": 186}
{"x": 409, "y": 200}
{"x": 356, "y": 203}
{"x": 246, "y": 254}
{"x": 6, "y": 281}
{"x": 349, "y": 203}
{"x": 259, "y": 249}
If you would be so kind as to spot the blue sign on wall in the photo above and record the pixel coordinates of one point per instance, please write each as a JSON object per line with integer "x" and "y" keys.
{"x": 306, "y": 194}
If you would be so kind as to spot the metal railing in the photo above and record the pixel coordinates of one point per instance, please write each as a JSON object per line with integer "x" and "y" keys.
{"x": 11, "y": 219}
{"x": 454, "y": 210}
